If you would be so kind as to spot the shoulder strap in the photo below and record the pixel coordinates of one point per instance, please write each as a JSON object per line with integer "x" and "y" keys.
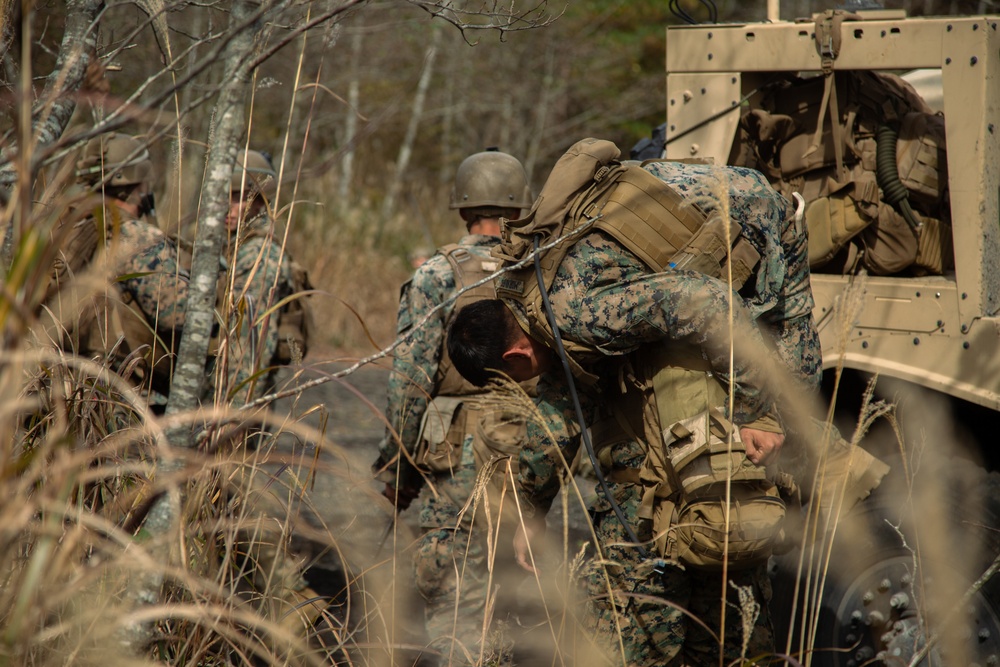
{"x": 468, "y": 269}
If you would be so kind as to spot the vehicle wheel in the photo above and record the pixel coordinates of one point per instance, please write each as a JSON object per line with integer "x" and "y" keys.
{"x": 899, "y": 566}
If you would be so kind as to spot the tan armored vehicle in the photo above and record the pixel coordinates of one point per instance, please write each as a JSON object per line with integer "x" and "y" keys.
{"x": 903, "y": 209}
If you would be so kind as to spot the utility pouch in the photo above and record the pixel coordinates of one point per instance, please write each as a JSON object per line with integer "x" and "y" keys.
{"x": 921, "y": 157}
{"x": 498, "y": 437}
{"x": 833, "y": 221}
{"x": 295, "y": 322}
{"x": 935, "y": 253}
{"x": 725, "y": 509}
{"x": 442, "y": 434}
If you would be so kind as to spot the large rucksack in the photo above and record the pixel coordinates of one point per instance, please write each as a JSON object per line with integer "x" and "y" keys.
{"x": 868, "y": 156}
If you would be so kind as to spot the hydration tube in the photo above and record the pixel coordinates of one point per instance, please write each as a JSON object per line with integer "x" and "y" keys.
{"x": 887, "y": 174}
{"x": 550, "y": 316}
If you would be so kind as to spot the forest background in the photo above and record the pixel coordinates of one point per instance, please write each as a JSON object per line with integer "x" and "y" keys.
{"x": 369, "y": 113}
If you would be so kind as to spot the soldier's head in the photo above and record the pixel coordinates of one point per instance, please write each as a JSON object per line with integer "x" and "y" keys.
{"x": 118, "y": 167}
{"x": 484, "y": 339}
{"x": 488, "y": 186}
{"x": 252, "y": 186}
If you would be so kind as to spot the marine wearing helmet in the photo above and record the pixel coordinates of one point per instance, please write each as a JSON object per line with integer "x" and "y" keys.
{"x": 252, "y": 187}
{"x": 118, "y": 166}
{"x": 490, "y": 184}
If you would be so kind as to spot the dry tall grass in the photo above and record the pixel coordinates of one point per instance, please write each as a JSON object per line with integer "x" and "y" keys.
{"x": 80, "y": 467}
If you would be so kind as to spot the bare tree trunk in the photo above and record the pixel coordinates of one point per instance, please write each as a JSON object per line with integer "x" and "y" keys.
{"x": 50, "y": 116}
{"x": 351, "y": 129}
{"x": 406, "y": 150}
{"x": 228, "y": 127}
{"x": 541, "y": 112}
{"x": 185, "y": 389}
{"x": 448, "y": 121}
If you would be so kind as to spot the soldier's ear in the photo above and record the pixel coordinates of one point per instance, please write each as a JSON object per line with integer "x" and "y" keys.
{"x": 520, "y": 359}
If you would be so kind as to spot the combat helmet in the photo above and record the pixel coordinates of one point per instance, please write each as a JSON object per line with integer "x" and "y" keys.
{"x": 254, "y": 172}
{"x": 491, "y": 179}
{"x": 115, "y": 159}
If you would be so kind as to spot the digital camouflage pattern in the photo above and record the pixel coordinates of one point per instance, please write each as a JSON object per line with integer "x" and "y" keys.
{"x": 450, "y": 567}
{"x": 260, "y": 277}
{"x": 145, "y": 262}
{"x": 781, "y": 299}
{"x": 605, "y": 299}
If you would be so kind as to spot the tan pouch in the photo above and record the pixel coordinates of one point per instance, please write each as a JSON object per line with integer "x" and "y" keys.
{"x": 921, "y": 156}
{"x": 708, "y": 463}
{"x": 832, "y": 222}
{"x": 755, "y": 518}
{"x": 499, "y": 436}
{"x": 442, "y": 434}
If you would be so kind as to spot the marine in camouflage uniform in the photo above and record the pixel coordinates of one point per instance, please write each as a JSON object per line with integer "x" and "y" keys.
{"x": 608, "y": 304}
{"x": 147, "y": 291}
{"x": 450, "y": 563}
{"x": 257, "y": 275}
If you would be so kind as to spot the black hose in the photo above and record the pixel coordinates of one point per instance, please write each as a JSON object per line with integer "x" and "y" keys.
{"x": 561, "y": 350}
{"x": 894, "y": 192}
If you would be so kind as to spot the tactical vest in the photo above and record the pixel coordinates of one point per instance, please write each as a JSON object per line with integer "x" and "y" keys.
{"x": 590, "y": 190}
{"x": 450, "y": 415}
{"x": 869, "y": 158}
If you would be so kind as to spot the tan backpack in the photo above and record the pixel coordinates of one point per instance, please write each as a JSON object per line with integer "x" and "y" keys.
{"x": 708, "y": 504}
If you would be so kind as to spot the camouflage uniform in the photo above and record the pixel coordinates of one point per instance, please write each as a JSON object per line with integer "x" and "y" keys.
{"x": 607, "y": 301}
{"x": 147, "y": 294}
{"x": 260, "y": 276}
{"x": 450, "y": 561}
{"x": 157, "y": 285}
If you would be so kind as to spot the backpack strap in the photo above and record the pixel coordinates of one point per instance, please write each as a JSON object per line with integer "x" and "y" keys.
{"x": 468, "y": 269}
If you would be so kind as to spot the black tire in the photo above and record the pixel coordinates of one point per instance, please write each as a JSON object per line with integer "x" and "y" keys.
{"x": 899, "y": 564}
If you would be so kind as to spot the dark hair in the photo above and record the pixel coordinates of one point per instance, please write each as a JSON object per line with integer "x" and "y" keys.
{"x": 478, "y": 337}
